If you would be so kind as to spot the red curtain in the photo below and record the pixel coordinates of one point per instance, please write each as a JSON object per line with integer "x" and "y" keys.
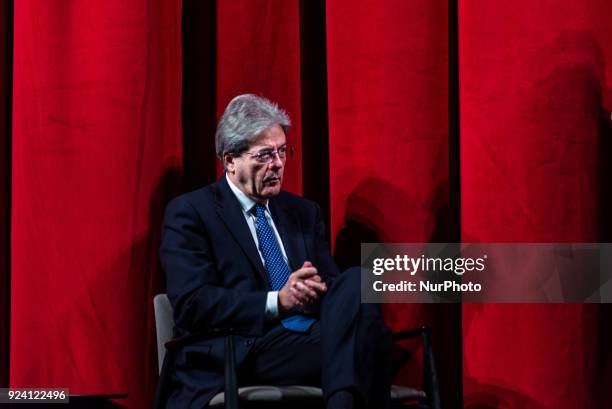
{"x": 96, "y": 153}
{"x": 262, "y": 57}
{"x": 388, "y": 136}
{"x": 534, "y": 85}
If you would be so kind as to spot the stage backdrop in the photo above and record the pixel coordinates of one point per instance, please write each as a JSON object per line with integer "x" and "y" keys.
{"x": 263, "y": 58}
{"x": 388, "y": 144}
{"x": 535, "y": 101}
{"x": 96, "y": 152}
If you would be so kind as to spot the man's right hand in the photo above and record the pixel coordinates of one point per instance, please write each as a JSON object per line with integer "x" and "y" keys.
{"x": 302, "y": 291}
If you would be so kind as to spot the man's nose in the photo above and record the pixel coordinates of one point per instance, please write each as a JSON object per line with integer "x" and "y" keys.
{"x": 277, "y": 162}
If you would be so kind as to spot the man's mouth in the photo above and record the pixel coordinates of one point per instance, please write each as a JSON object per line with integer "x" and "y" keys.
{"x": 272, "y": 180}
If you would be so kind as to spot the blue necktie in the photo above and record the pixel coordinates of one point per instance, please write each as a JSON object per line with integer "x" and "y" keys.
{"x": 278, "y": 270}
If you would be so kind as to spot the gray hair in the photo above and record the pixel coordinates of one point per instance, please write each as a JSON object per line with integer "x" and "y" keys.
{"x": 244, "y": 119}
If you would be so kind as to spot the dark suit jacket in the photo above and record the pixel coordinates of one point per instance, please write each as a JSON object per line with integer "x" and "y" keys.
{"x": 214, "y": 274}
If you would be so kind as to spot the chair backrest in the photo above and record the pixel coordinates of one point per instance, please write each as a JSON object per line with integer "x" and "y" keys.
{"x": 164, "y": 325}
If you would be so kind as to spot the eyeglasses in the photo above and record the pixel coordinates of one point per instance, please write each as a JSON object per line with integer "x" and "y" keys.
{"x": 268, "y": 155}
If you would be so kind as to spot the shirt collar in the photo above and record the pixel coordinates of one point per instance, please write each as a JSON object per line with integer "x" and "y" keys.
{"x": 245, "y": 202}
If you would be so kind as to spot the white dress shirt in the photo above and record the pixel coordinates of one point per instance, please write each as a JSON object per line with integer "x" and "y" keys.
{"x": 246, "y": 203}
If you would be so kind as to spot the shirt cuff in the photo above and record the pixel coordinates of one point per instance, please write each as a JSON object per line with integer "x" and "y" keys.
{"x": 272, "y": 305}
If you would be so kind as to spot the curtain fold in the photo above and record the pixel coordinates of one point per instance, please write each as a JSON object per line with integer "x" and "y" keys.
{"x": 534, "y": 84}
{"x": 96, "y": 154}
{"x": 388, "y": 142}
{"x": 262, "y": 57}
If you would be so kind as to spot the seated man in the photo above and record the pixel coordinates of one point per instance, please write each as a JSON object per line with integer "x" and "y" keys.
{"x": 241, "y": 253}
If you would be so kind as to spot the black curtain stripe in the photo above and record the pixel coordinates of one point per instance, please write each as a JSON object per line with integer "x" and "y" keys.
{"x": 199, "y": 31}
{"x": 6, "y": 68}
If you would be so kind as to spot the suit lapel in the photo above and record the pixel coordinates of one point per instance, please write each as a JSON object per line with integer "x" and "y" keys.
{"x": 290, "y": 231}
{"x": 230, "y": 212}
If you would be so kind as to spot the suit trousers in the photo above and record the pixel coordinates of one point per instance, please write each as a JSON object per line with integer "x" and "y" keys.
{"x": 348, "y": 349}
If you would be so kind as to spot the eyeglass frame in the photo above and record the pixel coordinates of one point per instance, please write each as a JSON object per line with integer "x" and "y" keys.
{"x": 271, "y": 154}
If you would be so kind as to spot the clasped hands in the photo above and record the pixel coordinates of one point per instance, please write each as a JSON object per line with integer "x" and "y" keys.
{"x": 302, "y": 291}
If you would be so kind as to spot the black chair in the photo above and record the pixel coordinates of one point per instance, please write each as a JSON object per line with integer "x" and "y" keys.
{"x": 268, "y": 396}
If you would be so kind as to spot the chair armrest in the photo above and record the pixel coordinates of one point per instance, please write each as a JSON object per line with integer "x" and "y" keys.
{"x": 410, "y": 333}
{"x": 430, "y": 375}
{"x": 175, "y": 343}
{"x": 231, "y": 379}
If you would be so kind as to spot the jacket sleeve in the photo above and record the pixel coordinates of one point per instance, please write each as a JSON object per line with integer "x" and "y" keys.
{"x": 193, "y": 282}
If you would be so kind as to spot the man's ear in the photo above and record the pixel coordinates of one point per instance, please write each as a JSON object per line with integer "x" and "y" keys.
{"x": 229, "y": 162}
